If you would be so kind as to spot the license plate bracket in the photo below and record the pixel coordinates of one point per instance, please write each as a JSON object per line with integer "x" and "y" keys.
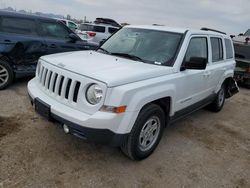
{"x": 42, "y": 108}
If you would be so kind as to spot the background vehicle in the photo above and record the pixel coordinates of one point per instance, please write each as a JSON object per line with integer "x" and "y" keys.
{"x": 107, "y": 21}
{"x": 25, "y": 38}
{"x": 139, "y": 81}
{"x": 97, "y": 31}
{"x": 242, "y": 56}
{"x": 70, "y": 24}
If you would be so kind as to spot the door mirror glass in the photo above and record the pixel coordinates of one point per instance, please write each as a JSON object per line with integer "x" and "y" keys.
{"x": 197, "y": 54}
{"x": 198, "y": 63}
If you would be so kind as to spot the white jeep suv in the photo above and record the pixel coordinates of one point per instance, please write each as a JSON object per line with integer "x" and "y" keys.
{"x": 139, "y": 81}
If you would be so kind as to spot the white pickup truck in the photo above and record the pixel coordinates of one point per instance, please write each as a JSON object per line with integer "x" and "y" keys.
{"x": 139, "y": 81}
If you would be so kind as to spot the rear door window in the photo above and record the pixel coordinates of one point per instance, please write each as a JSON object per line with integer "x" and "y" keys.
{"x": 54, "y": 30}
{"x": 20, "y": 26}
{"x": 217, "y": 49}
{"x": 229, "y": 49}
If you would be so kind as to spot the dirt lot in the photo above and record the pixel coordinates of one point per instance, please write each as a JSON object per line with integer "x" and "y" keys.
{"x": 203, "y": 150}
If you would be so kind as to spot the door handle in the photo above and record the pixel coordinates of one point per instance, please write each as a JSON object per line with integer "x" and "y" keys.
{"x": 7, "y": 40}
{"x": 52, "y": 46}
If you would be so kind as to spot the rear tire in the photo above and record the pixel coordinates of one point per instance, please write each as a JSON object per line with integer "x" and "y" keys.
{"x": 146, "y": 133}
{"x": 6, "y": 74}
{"x": 219, "y": 101}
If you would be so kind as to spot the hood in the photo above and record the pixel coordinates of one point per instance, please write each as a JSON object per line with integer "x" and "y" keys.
{"x": 106, "y": 68}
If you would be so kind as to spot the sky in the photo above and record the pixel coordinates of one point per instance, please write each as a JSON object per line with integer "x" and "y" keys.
{"x": 229, "y": 16}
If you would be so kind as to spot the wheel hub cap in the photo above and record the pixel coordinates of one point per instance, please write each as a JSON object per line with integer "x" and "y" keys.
{"x": 4, "y": 76}
{"x": 149, "y": 133}
{"x": 221, "y": 97}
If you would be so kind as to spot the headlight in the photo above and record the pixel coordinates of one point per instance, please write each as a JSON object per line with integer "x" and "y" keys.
{"x": 94, "y": 94}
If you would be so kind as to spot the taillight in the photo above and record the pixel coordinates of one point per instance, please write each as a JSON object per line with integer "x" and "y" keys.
{"x": 248, "y": 70}
{"x": 91, "y": 34}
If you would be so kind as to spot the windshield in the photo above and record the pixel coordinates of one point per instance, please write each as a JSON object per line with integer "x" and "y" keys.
{"x": 151, "y": 46}
{"x": 247, "y": 33}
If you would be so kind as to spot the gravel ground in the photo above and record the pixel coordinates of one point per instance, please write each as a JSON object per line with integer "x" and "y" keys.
{"x": 203, "y": 150}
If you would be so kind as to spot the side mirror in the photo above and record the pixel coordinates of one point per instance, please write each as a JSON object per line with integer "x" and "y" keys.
{"x": 73, "y": 37}
{"x": 197, "y": 63}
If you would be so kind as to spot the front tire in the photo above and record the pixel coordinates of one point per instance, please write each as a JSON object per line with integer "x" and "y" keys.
{"x": 219, "y": 101}
{"x": 6, "y": 75}
{"x": 146, "y": 133}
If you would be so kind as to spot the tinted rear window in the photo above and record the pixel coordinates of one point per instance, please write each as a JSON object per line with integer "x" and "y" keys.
{"x": 112, "y": 30}
{"x": 18, "y": 26}
{"x": 229, "y": 49}
{"x": 98, "y": 29}
{"x": 85, "y": 27}
{"x": 217, "y": 49}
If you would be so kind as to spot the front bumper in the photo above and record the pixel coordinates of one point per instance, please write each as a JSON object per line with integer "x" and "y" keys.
{"x": 95, "y": 128}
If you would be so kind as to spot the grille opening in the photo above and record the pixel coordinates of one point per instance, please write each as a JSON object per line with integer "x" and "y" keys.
{"x": 49, "y": 77}
{"x": 77, "y": 87}
{"x": 54, "y": 84}
{"x": 67, "y": 88}
{"x": 60, "y": 86}
{"x": 45, "y": 75}
{"x": 41, "y": 75}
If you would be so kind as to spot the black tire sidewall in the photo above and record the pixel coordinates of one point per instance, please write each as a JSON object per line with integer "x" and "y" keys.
{"x": 142, "y": 119}
{"x": 10, "y": 72}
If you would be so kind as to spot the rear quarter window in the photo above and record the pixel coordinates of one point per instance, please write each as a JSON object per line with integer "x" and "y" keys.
{"x": 229, "y": 49}
{"x": 20, "y": 26}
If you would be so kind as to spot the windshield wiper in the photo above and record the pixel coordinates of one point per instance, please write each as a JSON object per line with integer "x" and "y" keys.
{"x": 106, "y": 51}
{"x": 130, "y": 56}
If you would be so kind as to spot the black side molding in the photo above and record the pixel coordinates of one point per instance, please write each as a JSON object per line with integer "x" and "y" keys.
{"x": 190, "y": 109}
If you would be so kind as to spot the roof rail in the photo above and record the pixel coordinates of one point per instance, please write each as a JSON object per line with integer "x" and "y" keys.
{"x": 107, "y": 21}
{"x": 208, "y": 29}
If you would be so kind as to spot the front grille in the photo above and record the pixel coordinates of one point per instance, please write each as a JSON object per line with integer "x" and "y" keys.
{"x": 59, "y": 85}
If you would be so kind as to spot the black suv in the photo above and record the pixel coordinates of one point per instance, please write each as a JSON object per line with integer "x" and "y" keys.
{"x": 25, "y": 38}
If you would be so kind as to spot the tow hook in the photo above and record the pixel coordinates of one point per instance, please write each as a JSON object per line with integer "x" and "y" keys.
{"x": 66, "y": 129}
